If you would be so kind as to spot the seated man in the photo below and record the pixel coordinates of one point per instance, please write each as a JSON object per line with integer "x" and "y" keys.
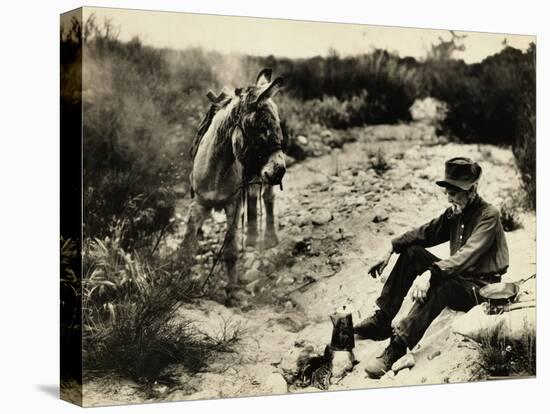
{"x": 479, "y": 255}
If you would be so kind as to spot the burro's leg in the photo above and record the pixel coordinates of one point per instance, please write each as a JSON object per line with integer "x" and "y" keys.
{"x": 252, "y": 216}
{"x": 230, "y": 251}
{"x": 195, "y": 217}
{"x": 270, "y": 234}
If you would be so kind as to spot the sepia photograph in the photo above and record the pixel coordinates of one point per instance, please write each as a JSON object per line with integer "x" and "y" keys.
{"x": 260, "y": 206}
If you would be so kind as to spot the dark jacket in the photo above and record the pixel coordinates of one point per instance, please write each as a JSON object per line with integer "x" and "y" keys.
{"x": 477, "y": 241}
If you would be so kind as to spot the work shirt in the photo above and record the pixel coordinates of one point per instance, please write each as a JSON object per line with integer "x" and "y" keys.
{"x": 477, "y": 241}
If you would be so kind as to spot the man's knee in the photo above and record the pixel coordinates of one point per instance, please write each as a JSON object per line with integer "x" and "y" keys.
{"x": 414, "y": 250}
{"x": 441, "y": 291}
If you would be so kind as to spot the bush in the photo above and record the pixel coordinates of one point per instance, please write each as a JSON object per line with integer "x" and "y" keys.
{"x": 378, "y": 160}
{"x": 328, "y": 111}
{"x": 130, "y": 325}
{"x": 70, "y": 311}
{"x": 501, "y": 356}
{"x": 525, "y": 147}
{"x": 391, "y": 83}
{"x": 509, "y": 215}
{"x": 484, "y": 97}
{"x": 130, "y": 165}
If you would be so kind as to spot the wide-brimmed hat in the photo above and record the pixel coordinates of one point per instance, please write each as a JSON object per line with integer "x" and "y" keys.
{"x": 460, "y": 172}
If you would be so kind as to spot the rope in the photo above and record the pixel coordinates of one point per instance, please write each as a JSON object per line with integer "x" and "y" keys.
{"x": 261, "y": 210}
{"x": 244, "y": 186}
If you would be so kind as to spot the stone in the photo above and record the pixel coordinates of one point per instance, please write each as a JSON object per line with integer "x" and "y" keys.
{"x": 434, "y": 354}
{"x": 248, "y": 260}
{"x": 406, "y": 361}
{"x": 341, "y": 189}
{"x": 303, "y": 220}
{"x": 267, "y": 266}
{"x": 403, "y": 372}
{"x": 275, "y": 384}
{"x": 362, "y": 175}
{"x": 380, "y": 216}
{"x": 257, "y": 264}
{"x": 388, "y": 375}
{"x": 288, "y": 280}
{"x": 253, "y": 286}
{"x": 322, "y": 216}
{"x": 302, "y": 140}
{"x": 428, "y": 110}
{"x": 334, "y": 142}
{"x": 251, "y": 275}
{"x": 346, "y": 175}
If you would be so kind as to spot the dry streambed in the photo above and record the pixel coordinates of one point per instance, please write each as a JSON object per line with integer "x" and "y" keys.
{"x": 335, "y": 214}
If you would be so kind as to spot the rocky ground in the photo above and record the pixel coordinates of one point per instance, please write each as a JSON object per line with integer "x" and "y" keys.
{"x": 335, "y": 214}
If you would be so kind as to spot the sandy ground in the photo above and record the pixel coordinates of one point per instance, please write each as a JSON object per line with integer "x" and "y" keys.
{"x": 335, "y": 216}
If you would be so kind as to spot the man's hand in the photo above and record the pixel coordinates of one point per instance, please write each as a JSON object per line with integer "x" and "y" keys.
{"x": 381, "y": 263}
{"x": 420, "y": 287}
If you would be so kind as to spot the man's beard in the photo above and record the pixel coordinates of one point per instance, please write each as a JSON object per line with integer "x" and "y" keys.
{"x": 456, "y": 210}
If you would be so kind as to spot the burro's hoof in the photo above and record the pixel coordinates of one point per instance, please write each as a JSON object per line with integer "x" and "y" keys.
{"x": 231, "y": 302}
{"x": 235, "y": 296}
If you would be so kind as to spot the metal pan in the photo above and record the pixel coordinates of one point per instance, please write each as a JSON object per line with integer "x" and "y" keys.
{"x": 499, "y": 294}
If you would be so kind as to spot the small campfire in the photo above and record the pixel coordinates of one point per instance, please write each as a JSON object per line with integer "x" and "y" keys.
{"x": 321, "y": 370}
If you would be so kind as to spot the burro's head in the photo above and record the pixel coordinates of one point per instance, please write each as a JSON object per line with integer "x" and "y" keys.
{"x": 258, "y": 138}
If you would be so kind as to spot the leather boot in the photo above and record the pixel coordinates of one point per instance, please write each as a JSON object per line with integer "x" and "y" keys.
{"x": 376, "y": 327}
{"x": 378, "y": 366}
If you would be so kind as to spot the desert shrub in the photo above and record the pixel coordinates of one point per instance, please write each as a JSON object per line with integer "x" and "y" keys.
{"x": 502, "y": 356}
{"x": 328, "y": 111}
{"x": 483, "y": 98}
{"x": 70, "y": 311}
{"x": 378, "y": 160}
{"x": 130, "y": 321}
{"x": 391, "y": 83}
{"x": 130, "y": 164}
{"x": 525, "y": 144}
{"x": 510, "y": 214}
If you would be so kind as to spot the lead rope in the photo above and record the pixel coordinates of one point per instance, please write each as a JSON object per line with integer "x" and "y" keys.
{"x": 261, "y": 210}
{"x": 244, "y": 188}
{"x": 244, "y": 204}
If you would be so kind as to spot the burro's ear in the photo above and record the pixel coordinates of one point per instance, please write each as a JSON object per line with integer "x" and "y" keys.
{"x": 271, "y": 89}
{"x": 212, "y": 96}
{"x": 264, "y": 77}
{"x": 216, "y": 99}
{"x": 237, "y": 141}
